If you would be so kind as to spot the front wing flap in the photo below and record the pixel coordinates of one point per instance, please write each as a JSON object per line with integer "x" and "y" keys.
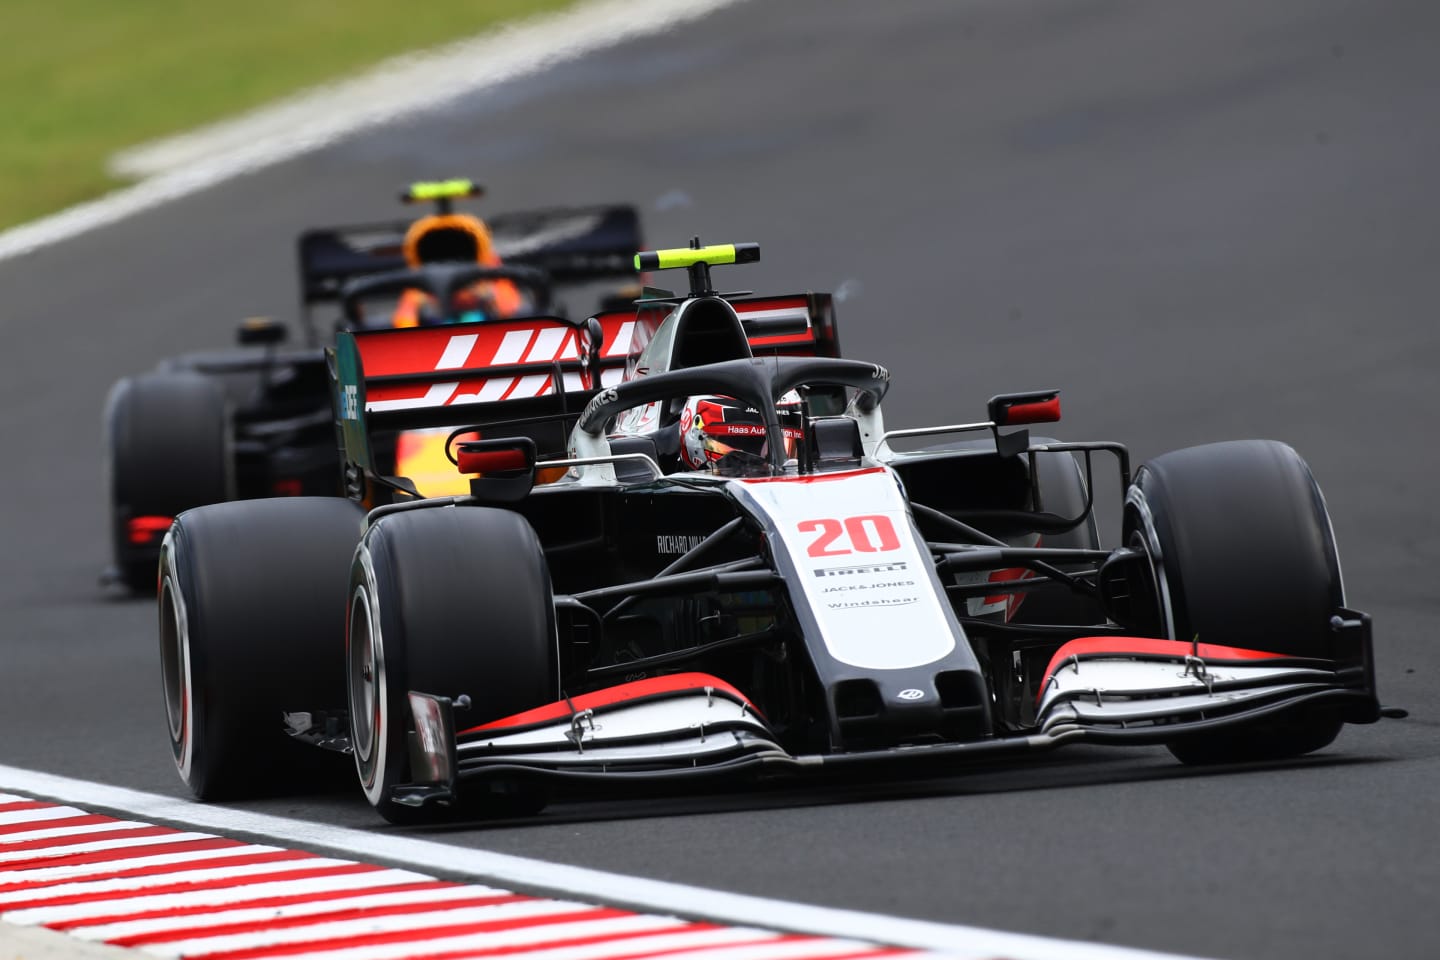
{"x": 1114, "y": 686}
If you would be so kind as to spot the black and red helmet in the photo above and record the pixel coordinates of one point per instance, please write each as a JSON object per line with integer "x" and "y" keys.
{"x": 714, "y": 427}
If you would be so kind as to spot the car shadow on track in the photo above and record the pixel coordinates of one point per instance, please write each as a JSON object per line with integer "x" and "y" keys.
{"x": 1099, "y": 769}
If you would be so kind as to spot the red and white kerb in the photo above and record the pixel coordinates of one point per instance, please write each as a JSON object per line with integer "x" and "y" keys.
{"x": 172, "y": 893}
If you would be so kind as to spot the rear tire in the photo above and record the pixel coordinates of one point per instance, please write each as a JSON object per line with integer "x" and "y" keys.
{"x": 168, "y": 437}
{"x": 1242, "y": 554}
{"x": 252, "y": 601}
{"x": 447, "y": 601}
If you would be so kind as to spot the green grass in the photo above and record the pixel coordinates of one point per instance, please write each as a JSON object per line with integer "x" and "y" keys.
{"x": 81, "y": 79}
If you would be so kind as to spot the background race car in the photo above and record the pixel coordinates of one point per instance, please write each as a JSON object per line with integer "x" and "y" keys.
{"x": 612, "y": 615}
{"x": 256, "y": 422}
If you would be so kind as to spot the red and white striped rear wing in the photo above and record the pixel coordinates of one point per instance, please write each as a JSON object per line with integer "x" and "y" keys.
{"x": 530, "y": 370}
{"x": 514, "y": 371}
{"x": 407, "y": 374}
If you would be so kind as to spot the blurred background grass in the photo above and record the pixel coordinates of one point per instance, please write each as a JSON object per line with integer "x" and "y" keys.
{"x": 81, "y": 79}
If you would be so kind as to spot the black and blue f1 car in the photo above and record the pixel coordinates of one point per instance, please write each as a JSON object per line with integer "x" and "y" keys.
{"x": 825, "y": 594}
{"x": 255, "y": 421}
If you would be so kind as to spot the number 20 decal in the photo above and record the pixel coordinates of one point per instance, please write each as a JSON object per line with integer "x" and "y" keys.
{"x": 870, "y": 533}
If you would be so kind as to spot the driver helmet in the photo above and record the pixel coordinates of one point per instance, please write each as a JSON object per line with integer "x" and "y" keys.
{"x": 449, "y": 238}
{"x": 713, "y": 428}
{"x": 455, "y": 238}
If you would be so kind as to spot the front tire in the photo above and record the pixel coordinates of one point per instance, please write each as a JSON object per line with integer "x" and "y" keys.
{"x": 252, "y": 598}
{"x": 1241, "y": 553}
{"x": 447, "y": 601}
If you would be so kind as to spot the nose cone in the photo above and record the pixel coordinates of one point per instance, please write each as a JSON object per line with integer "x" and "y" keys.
{"x": 906, "y": 706}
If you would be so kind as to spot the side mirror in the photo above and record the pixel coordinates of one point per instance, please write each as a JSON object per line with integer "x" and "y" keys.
{"x": 1012, "y": 409}
{"x": 500, "y": 458}
{"x": 503, "y": 471}
{"x": 592, "y": 339}
{"x": 260, "y": 331}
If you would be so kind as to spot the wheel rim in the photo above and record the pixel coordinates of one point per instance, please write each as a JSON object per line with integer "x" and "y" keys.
{"x": 1145, "y": 539}
{"x": 362, "y": 677}
{"x": 175, "y": 666}
{"x": 365, "y": 669}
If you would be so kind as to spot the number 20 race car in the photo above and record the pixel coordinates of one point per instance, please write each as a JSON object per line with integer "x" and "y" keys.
{"x": 732, "y": 571}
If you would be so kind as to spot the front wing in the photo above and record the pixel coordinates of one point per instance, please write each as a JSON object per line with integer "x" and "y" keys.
{"x": 1110, "y": 690}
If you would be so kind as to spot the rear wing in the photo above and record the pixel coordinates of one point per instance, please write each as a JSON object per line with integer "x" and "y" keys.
{"x": 571, "y": 244}
{"x": 525, "y": 377}
{"x": 531, "y": 376}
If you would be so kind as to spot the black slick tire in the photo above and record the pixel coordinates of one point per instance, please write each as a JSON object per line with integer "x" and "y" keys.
{"x": 168, "y": 450}
{"x": 252, "y": 617}
{"x": 1240, "y": 543}
{"x": 449, "y": 601}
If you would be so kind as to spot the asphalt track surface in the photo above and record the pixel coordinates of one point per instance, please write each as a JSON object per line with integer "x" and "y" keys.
{"x": 1202, "y": 220}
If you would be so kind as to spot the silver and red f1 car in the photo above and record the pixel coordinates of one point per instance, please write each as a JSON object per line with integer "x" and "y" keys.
{"x": 735, "y": 570}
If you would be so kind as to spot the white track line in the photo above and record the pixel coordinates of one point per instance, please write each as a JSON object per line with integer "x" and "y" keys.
{"x": 402, "y": 87}
{"x": 567, "y": 881}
